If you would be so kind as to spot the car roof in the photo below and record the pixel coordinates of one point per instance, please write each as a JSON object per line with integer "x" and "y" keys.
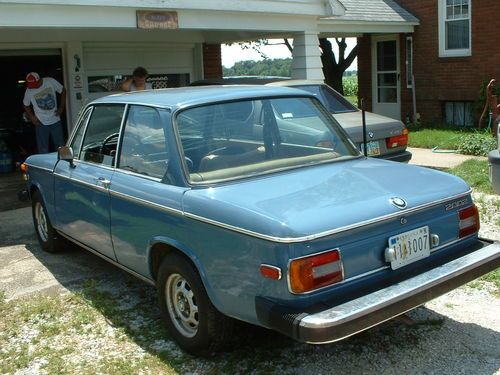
{"x": 190, "y": 96}
{"x": 295, "y": 82}
{"x": 239, "y": 80}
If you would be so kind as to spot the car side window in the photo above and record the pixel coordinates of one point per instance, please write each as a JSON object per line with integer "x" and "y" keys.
{"x": 143, "y": 149}
{"x": 80, "y": 128}
{"x": 101, "y": 138}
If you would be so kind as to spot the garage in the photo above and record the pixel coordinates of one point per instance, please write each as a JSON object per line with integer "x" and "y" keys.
{"x": 17, "y": 136}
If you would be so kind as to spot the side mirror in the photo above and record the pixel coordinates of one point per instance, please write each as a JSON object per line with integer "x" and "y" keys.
{"x": 66, "y": 153}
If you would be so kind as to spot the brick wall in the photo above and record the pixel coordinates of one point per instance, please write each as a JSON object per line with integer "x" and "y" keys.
{"x": 442, "y": 79}
{"x": 212, "y": 61}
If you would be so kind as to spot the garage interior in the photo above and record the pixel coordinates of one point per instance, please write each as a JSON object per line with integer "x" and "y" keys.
{"x": 17, "y": 137}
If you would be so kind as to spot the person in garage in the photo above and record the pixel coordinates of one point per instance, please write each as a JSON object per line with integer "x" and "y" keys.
{"x": 138, "y": 81}
{"x": 41, "y": 106}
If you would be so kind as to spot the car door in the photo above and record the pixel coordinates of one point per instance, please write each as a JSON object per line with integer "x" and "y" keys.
{"x": 82, "y": 197}
{"x": 145, "y": 199}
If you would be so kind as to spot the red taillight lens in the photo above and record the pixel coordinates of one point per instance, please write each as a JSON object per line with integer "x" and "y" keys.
{"x": 397, "y": 141}
{"x": 271, "y": 272}
{"x": 24, "y": 167}
{"x": 468, "y": 221}
{"x": 316, "y": 271}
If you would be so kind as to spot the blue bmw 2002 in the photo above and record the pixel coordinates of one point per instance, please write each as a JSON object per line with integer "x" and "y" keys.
{"x": 251, "y": 203}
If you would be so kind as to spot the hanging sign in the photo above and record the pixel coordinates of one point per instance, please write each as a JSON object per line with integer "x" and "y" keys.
{"x": 157, "y": 20}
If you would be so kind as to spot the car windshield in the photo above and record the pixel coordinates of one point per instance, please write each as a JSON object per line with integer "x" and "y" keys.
{"x": 238, "y": 139}
{"x": 331, "y": 99}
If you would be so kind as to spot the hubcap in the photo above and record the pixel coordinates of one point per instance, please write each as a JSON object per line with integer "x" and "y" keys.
{"x": 41, "y": 222}
{"x": 181, "y": 305}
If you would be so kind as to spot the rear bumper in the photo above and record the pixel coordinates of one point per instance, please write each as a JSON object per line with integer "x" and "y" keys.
{"x": 338, "y": 322}
{"x": 402, "y": 157}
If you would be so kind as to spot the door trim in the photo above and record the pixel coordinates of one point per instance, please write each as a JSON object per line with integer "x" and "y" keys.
{"x": 374, "y": 40}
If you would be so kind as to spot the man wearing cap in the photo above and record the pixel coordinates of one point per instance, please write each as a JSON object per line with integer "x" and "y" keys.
{"x": 40, "y": 103}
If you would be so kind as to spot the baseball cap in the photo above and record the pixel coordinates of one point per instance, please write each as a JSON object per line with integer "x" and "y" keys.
{"x": 32, "y": 80}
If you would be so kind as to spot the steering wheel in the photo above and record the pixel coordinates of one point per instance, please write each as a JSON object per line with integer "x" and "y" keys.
{"x": 106, "y": 141}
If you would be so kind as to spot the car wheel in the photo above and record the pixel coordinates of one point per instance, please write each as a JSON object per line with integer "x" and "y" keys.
{"x": 191, "y": 319}
{"x": 47, "y": 236}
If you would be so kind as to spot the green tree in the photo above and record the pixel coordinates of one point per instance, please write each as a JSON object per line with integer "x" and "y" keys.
{"x": 269, "y": 67}
{"x": 334, "y": 68}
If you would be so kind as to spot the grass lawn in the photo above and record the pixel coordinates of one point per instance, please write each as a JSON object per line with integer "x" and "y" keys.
{"x": 475, "y": 173}
{"x": 430, "y": 138}
{"x": 465, "y": 141}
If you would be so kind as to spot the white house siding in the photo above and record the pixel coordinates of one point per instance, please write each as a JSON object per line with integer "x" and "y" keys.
{"x": 104, "y": 34}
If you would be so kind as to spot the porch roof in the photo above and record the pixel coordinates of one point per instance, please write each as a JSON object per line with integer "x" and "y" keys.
{"x": 374, "y": 11}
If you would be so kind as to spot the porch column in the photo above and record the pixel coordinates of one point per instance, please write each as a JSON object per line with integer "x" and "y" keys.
{"x": 76, "y": 85}
{"x": 306, "y": 62}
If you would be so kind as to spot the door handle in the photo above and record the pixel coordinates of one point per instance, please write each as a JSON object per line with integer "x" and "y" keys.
{"x": 101, "y": 181}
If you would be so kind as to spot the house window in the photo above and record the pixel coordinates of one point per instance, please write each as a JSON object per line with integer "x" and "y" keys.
{"x": 458, "y": 113}
{"x": 110, "y": 83}
{"x": 409, "y": 62}
{"x": 454, "y": 28}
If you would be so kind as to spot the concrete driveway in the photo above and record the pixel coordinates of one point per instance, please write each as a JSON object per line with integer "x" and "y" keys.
{"x": 25, "y": 268}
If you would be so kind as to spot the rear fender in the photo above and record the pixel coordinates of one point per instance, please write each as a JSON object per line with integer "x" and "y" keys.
{"x": 188, "y": 253}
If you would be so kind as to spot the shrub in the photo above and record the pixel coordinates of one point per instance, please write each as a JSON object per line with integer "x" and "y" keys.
{"x": 478, "y": 143}
{"x": 350, "y": 85}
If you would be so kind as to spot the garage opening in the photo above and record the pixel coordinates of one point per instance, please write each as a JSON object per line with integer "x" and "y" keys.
{"x": 17, "y": 136}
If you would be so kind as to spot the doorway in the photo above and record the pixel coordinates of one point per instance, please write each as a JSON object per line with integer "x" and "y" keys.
{"x": 386, "y": 76}
{"x": 15, "y": 132}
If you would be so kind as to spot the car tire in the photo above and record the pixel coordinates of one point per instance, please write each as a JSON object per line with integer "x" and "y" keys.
{"x": 46, "y": 234}
{"x": 191, "y": 319}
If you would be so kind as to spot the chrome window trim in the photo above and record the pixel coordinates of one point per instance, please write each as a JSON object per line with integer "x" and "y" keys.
{"x": 89, "y": 109}
{"x": 328, "y": 232}
{"x": 81, "y": 182}
{"x": 126, "y": 102}
{"x": 147, "y": 203}
{"x": 119, "y": 170}
{"x": 103, "y": 166}
{"x": 120, "y": 135}
{"x": 77, "y": 158}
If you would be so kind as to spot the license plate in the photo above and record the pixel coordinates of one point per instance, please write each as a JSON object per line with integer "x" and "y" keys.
{"x": 410, "y": 246}
{"x": 372, "y": 148}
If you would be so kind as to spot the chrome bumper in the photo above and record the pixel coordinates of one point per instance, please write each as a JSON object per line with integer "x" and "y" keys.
{"x": 354, "y": 316}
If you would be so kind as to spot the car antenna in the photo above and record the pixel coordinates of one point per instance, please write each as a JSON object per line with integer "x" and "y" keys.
{"x": 363, "y": 119}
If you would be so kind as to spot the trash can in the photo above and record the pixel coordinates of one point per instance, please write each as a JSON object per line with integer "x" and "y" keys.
{"x": 494, "y": 165}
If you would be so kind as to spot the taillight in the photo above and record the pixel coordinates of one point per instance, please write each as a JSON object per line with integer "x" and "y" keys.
{"x": 24, "y": 167}
{"x": 468, "y": 221}
{"x": 397, "y": 141}
{"x": 316, "y": 271}
{"x": 270, "y": 272}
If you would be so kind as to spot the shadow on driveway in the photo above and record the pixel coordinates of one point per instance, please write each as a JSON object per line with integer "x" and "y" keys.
{"x": 433, "y": 343}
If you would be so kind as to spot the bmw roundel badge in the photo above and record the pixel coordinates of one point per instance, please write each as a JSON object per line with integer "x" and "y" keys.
{"x": 398, "y": 202}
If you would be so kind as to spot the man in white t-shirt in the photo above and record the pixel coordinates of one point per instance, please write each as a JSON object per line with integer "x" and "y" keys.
{"x": 40, "y": 103}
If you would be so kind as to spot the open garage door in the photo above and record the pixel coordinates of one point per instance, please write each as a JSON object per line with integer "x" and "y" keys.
{"x": 17, "y": 137}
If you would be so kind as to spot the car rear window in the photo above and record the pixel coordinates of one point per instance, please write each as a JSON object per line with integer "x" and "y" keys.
{"x": 238, "y": 139}
{"x": 331, "y": 99}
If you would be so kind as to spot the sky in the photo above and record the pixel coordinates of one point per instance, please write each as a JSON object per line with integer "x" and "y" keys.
{"x": 234, "y": 53}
